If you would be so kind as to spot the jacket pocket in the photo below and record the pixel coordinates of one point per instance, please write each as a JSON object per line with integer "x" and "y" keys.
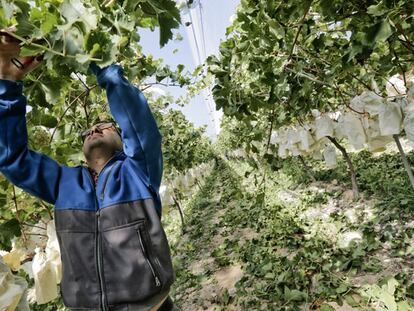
{"x": 130, "y": 269}
{"x": 79, "y": 285}
{"x": 147, "y": 250}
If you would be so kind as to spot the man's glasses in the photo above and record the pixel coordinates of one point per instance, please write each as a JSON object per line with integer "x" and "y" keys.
{"x": 99, "y": 126}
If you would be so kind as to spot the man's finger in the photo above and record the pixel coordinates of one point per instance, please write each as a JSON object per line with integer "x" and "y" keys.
{"x": 15, "y": 61}
{"x": 28, "y": 61}
{"x": 6, "y": 37}
{"x": 3, "y": 33}
{"x": 31, "y": 63}
{"x": 9, "y": 30}
{"x": 27, "y": 64}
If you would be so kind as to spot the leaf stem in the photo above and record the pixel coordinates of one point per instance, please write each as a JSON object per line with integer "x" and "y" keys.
{"x": 313, "y": 79}
{"x": 29, "y": 43}
{"x": 48, "y": 211}
{"x": 67, "y": 109}
{"x": 34, "y": 226}
{"x": 298, "y": 31}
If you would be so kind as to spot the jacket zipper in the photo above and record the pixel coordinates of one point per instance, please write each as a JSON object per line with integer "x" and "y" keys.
{"x": 98, "y": 245}
{"x": 106, "y": 181}
{"x": 99, "y": 261}
{"x": 157, "y": 280}
{"x": 99, "y": 241}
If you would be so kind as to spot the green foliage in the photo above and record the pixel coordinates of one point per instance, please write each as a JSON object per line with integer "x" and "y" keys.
{"x": 70, "y": 34}
{"x": 8, "y": 230}
{"x": 64, "y": 97}
{"x": 282, "y": 59}
{"x": 291, "y": 258}
{"x": 184, "y": 146}
{"x": 55, "y": 305}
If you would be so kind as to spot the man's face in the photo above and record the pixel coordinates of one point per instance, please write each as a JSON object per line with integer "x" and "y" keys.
{"x": 103, "y": 136}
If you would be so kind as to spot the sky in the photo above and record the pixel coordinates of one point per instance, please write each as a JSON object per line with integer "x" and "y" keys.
{"x": 209, "y": 22}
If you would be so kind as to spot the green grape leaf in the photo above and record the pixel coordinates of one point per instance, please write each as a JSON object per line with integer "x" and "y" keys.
{"x": 389, "y": 301}
{"x": 31, "y": 51}
{"x": 294, "y": 295}
{"x": 49, "y": 21}
{"x": 3, "y": 20}
{"x": 166, "y": 24}
{"x": 326, "y": 307}
{"x": 378, "y": 33}
{"x": 168, "y": 18}
{"x": 8, "y": 230}
{"x": 81, "y": 58}
{"x": 75, "y": 11}
{"x": 24, "y": 27}
{"x": 376, "y": 10}
{"x": 7, "y": 8}
{"x": 38, "y": 118}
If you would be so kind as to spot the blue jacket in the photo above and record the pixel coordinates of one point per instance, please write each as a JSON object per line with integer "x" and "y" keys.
{"x": 114, "y": 252}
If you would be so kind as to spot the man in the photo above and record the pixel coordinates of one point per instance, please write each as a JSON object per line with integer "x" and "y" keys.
{"x": 115, "y": 255}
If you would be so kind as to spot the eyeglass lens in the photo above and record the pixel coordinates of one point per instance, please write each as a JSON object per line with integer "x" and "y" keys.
{"x": 100, "y": 126}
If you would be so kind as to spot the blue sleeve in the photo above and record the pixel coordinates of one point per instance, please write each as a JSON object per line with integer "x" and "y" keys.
{"x": 140, "y": 134}
{"x": 33, "y": 172}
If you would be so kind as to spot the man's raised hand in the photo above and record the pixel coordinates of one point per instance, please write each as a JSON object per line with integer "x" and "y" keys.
{"x": 12, "y": 65}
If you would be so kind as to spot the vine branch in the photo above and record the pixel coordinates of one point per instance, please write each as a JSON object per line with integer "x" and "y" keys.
{"x": 84, "y": 93}
{"x": 298, "y": 32}
{"x": 17, "y": 213}
{"x": 351, "y": 168}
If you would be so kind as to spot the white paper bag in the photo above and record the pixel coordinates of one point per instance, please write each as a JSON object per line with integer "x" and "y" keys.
{"x": 293, "y": 136}
{"x": 378, "y": 143}
{"x": 395, "y": 86}
{"x": 324, "y": 127}
{"x": 409, "y": 126}
{"x": 274, "y": 138}
{"x": 406, "y": 104}
{"x": 53, "y": 250}
{"x": 339, "y": 130}
{"x": 354, "y": 130}
{"x": 282, "y": 151}
{"x": 12, "y": 290}
{"x": 368, "y": 102}
{"x": 315, "y": 113}
{"x": 166, "y": 197}
{"x": 317, "y": 155}
{"x": 282, "y": 136}
{"x": 14, "y": 258}
{"x": 410, "y": 92}
{"x": 371, "y": 126}
{"x": 329, "y": 154}
{"x": 45, "y": 278}
{"x": 306, "y": 139}
{"x": 294, "y": 150}
{"x": 390, "y": 119}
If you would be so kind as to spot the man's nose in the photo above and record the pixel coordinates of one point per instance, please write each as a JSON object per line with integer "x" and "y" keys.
{"x": 95, "y": 129}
